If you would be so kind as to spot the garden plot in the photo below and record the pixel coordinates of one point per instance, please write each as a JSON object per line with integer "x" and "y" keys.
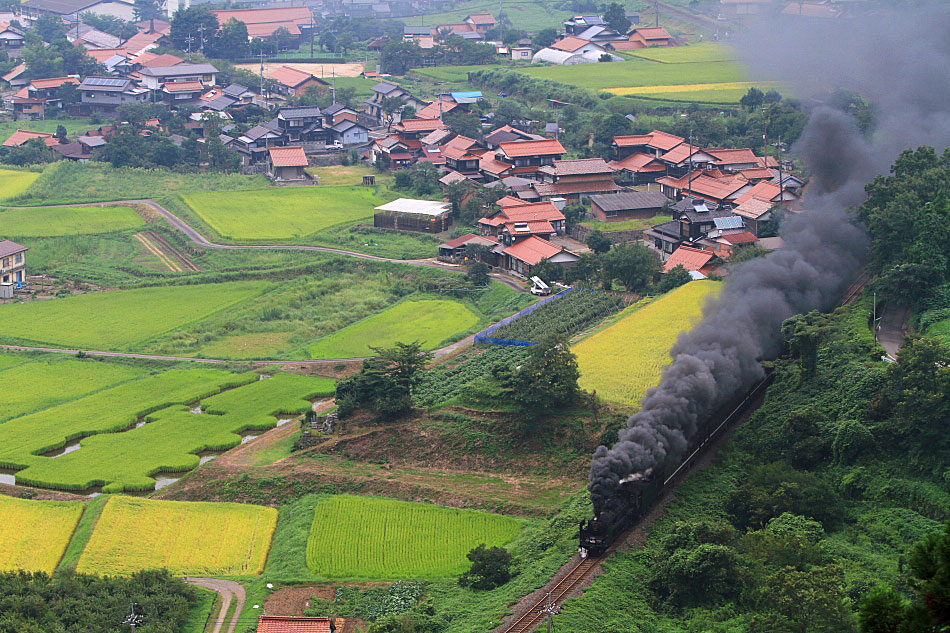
{"x": 120, "y": 319}
{"x": 34, "y": 534}
{"x": 429, "y": 321}
{"x": 173, "y": 437}
{"x": 282, "y": 213}
{"x": 194, "y": 539}
{"x": 367, "y": 537}
{"x": 59, "y": 221}
{"x": 625, "y": 359}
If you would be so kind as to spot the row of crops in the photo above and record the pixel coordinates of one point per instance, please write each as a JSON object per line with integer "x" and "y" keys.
{"x": 567, "y": 315}
{"x": 444, "y": 382}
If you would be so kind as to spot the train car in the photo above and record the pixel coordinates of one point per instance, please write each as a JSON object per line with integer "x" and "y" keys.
{"x": 636, "y": 493}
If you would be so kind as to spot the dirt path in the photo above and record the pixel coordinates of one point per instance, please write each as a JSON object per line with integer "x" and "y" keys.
{"x": 228, "y": 590}
{"x": 891, "y": 330}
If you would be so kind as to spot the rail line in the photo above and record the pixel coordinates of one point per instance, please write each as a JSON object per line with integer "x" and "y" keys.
{"x": 531, "y": 618}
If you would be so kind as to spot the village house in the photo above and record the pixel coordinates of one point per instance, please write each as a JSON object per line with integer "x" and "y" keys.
{"x": 531, "y": 251}
{"x": 455, "y": 251}
{"x": 294, "y": 624}
{"x": 292, "y": 82}
{"x": 638, "y": 169}
{"x": 12, "y": 262}
{"x": 691, "y": 221}
{"x": 16, "y": 78}
{"x": 406, "y": 214}
{"x": 712, "y": 186}
{"x": 105, "y": 94}
{"x": 182, "y": 93}
{"x": 287, "y": 164}
{"x": 509, "y": 134}
{"x": 262, "y": 23}
{"x": 302, "y": 124}
{"x": 462, "y": 154}
{"x": 72, "y": 9}
{"x": 524, "y": 158}
{"x": 650, "y": 36}
{"x": 252, "y": 146}
{"x": 628, "y": 205}
{"x": 580, "y": 23}
{"x": 655, "y": 144}
{"x": 348, "y": 132}
{"x": 390, "y": 153}
{"x": 385, "y": 90}
{"x": 575, "y": 179}
{"x": 338, "y": 112}
{"x": 481, "y": 22}
{"x": 521, "y": 53}
{"x": 516, "y": 219}
{"x": 19, "y": 137}
{"x": 693, "y": 260}
{"x": 11, "y": 39}
{"x": 154, "y": 77}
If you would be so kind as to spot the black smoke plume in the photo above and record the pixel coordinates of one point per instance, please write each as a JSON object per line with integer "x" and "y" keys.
{"x": 899, "y": 61}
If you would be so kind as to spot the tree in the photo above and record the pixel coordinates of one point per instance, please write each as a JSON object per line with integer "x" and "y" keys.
{"x": 464, "y": 123}
{"x": 50, "y": 28}
{"x": 616, "y": 17}
{"x": 61, "y": 133}
{"x": 598, "y": 242}
{"x": 812, "y": 601}
{"x": 232, "y": 41}
{"x": 398, "y": 56}
{"x": 573, "y": 214}
{"x": 633, "y": 265}
{"x": 147, "y": 9}
{"x": 547, "y": 270}
{"x": 544, "y": 38}
{"x": 696, "y": 564}
{"x": 802, "y": 334}
{"x": 491, "y": 567}
{"x": 191, "y": 28}
{"x": 33, "y": 152}
{"x": 478, "y": 274}
{"x": 586, "y": 270}
{"x": 772, "y": 489}
{"x": 110, "y": 24}
{"x": 68, "y": 94}
{"x": 752, "y": 99}
{"x": 282, "y": 38}
{"x": 548, "y": 379}
{"x": 882, "y": 610}
{"x": 384, "y": 383}
{"x": 391, "y": 108}
{"x": 673, "y": 278}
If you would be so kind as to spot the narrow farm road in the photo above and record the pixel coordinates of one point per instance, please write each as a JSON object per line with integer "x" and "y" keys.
{"x": 891, "y": 329}
{"x": 228, "y": 590}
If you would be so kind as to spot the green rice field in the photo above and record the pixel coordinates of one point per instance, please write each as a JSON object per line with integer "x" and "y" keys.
{"x": 373, "y": 538}
{"x": 639, "y": 72}
{"x": 24, "y": 439}
{"x": 626, "y": 225}
{"x": 172, "y": 438}
{"x": 45, "y": 383}
{"x": 14, "y": 182}
{"x": 429, "y": 321}
{"x": 119, "y": 319}
{"x": 282, "y": 213}
{"x": 691, "y": 53}
{"x": 57, "y": 221}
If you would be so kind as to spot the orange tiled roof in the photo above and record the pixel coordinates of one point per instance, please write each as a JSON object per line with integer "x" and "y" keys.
{"x": 577, "y": 166}
{"x": 492, "y": 166}
{"x": 687, "y": 257}
{"x": 102, "y": 54}
{"x": 482, "y": 18}
{"x": 753, "y": 208}
{"x": 53, "y": 82}
{"x": 22, "y": 136}
{"x": 638, "y": 162}
{"x": 16, "y": 72}
{"x": 532, "y": 250}
{"x": 419, "y": 125}
{"x": 653, "y": 33}
{"x": 141, "y": 41}
{"x": 290, "y": 76}
{"x": 432, "y": 111}
{"x": 763, "y": 191}
{"x": 538, "y": 227}
{"x": 151, "y": 60}
{"x": 184, "y": 86}
{"x": 268, "y": 29}
{"x": 732, "y": 156}
{"x": 569, "y": 44}
{"x": 288, "y": 156}
{"x": 519, "y": 149}
{"x": 297, "y": 15}
{"x": 292, "y": 624}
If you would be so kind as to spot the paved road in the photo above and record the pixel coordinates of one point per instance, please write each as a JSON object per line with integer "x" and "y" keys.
{"x": 228, "y": 590}
{"x": 891, "y": 329}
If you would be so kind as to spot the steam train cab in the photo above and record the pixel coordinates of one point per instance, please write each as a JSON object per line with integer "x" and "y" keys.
{"x": 592, "y": 538}
{"x": 619, "y": 513}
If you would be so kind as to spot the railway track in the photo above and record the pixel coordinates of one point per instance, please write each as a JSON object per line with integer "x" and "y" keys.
{"x": 530, "y": 619}
{"x": 855, "y": 289}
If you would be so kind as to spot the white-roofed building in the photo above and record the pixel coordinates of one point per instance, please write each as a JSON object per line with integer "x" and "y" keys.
{"x": 408, "y": 214}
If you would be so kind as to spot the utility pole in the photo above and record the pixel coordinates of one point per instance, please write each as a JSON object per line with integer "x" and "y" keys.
{"x": 550, "y": 610}
{"x": 781, "y": 179}
{"x": 263, "y": 98}
{"x": 133, "y": 620}
{"x": 311, "y": 34}
{"x": 656, "y": 9}
{"x": 201, "y": 38}
{"x": 333, "y": 84}
{"x": 689, "y": 178}
{"x": 874, "y": 319}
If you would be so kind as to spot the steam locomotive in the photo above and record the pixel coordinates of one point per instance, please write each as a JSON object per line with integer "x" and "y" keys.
{"x": 635, "y": 494}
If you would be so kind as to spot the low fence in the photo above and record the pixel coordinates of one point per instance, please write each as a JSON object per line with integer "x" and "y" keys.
{"x": 485, "y": 336}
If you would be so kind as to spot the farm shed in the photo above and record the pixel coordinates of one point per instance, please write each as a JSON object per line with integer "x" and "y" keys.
{"x": 454, "y": 250}
{"x": 406, "y": 214}
{"x": 613, "y": 207}
{"x": 286, "y": 163}
{"x": 293, "y": 624}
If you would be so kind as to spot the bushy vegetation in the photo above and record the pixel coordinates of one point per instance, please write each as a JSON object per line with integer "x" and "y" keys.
{"x": 567, "y": 315}
{"x": 380, "y": 538}
{"x": 186, "y": 544}
{"x": 67, "y": 601}
{"x": 34, "y": 534}
{"x": 444, "y": 382}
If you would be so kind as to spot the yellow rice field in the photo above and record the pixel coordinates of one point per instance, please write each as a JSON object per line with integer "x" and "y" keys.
{"x": 625, "y": 359}
{"x": 676, "y": 88}
{"x": 34, "y": 534}
{"x": 187, "y": 538}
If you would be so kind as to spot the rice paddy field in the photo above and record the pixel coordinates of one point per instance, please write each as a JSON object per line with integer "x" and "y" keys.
{"x": 702, "y": 73}
{"x": 24, "y": 439}
{"x": 34, "y": 534}
{"x": 626, "y": 225}
{"x": 282, "y": 213}
{"x": 429, "y": 321}
{"x": 44, "y": 383}
{"x": 337, "y": 175}
{"x": 187, "y": 538}
{"x": 373, "y": 538}
{"x": 172, "y": 438}
{"x": 58, "y": 221}
{"x": 625, "y": 359}
{"x": 119, "y": 319}
{"x": 14, "y": 182}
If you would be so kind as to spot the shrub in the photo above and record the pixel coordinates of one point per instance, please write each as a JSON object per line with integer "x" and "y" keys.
{"x": 775, "y": 488}
{"x": 491, "y": 567}
{"x": 851, "y": 440}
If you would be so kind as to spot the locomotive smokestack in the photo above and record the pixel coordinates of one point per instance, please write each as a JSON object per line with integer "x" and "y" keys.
{"x": 823, "y": 249}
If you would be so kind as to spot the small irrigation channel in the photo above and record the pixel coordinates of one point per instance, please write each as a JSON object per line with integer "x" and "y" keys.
{"x": 565, "y": 313}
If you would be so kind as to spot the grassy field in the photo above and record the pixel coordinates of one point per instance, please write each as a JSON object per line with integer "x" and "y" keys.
{"x": 34, "y": 534}
{"x": 23, "y": 439}
{"x": 66, "y": 182}
{"x": 257, "y": 345}
{"x": 528, "y": 15}
{"x": 285, "y": 213}
{"x": 46, "y": 383}
{"x": 195, "y": 539}
{"x": 429, "y": 321}
{"x": 626, "y": 225}
{"x": 68, "y": 221}
{"x": 122, "y": 318}
{"x": 14, "y": 182}
{"x": 337, "y": 175}
{"x": 625, "y": 359}
{"x": 638, "y": 73}
{"x": 173, "y": 437}
{"x": 453, "y": 73}
{"x": 73, "y": 126}
{"x": 359, "y": 537}
{"x": 692, "y": 53}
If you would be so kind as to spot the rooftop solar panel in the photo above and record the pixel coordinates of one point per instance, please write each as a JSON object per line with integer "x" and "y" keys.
{"x": 105, "y": 81}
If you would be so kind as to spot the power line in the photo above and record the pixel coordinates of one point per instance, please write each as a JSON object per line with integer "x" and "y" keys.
{"x": 133, "y": 620}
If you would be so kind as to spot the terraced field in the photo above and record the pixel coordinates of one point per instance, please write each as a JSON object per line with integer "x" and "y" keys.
{"x": 625, "y": 359}
{"x": 187, "y": 538}
{"x": 429, "y": 321}
{"x": 173, "y": 437}
{"x": 367, "y": 537}
{"x": 34, "y": 534}
{"x": 57, "y": 221}
{"x": 282, "y": 213}
{"x": 120, "y": 319}
{"x": 14, "y": 182}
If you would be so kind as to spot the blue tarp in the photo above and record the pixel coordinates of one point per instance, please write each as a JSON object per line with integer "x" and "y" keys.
{"x": 485, "y": 335}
